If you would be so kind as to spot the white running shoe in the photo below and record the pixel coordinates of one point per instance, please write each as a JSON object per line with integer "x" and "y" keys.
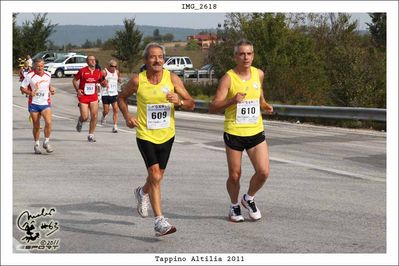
{"x": 36, "y": 148}
{"x": 253, "y": 211}
{"x": 163, "y": 227}
{"x": 235, "y": 214}
{"x": 48, "y": 147}
{"x": 143, "y": 202}
{"x": 115, "y": 129}
{"x": 103, "y": 121}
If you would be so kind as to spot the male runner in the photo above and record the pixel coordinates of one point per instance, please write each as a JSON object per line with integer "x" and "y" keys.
{"x": 37, "y": 85}
{"x": 158, "y": 93}
{"x": 240, "y": 96}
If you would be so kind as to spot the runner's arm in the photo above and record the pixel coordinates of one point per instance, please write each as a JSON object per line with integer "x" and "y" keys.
{"x": 220, "y": 101}
{"x": 130, "y": 88}
{"x": 185, "y": 100}
{"x": 263, "y": 104}
{"x": 25, "y": 88}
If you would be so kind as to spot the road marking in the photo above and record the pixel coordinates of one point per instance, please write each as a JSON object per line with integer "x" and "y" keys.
{"x": 16, "y": 245}
{"x": 311, "y": 166}
{"x": 302, "y": 164}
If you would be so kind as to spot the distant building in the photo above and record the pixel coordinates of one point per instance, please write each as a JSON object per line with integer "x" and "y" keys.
{"x": 204, "y": 40}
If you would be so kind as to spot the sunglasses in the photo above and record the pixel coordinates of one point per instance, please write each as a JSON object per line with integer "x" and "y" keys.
{"x": 113, "y": 66}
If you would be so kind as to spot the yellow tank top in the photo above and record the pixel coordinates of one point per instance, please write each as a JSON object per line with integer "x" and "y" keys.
{"x": 156, "y": 116}
{"x": 244, "y": 119}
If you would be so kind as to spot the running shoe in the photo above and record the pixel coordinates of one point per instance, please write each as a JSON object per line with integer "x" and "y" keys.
{"x": 103, "y": 121}
{"x": 48, "y": 147}
{"x": 91, "y": 139}
{"x": 163, "y": 227}
{"x": 36, "y": 148}
{"x": 115, "y": 129}
{"x": 143, "y": 202}
{"x": 235, "y": 214}
{"x": 79, "y": 125}
{"x": 253, "y": 211}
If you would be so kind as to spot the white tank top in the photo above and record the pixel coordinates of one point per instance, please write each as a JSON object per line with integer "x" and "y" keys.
{"x": 112, "y": 79}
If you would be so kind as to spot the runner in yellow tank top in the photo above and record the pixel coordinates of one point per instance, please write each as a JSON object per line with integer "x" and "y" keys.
{"x": 240, "y": 95}
{"x": 156, "y": 116}
{"x": 158, "y": 92}
{"x": 244, "y": 119}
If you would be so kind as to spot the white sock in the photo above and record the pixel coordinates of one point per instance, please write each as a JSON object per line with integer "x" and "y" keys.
{"x": 46, "y": 140}
{"x": 157, "y": 218}
{"x": 91, "y": 135}
{"x": 248, "y": 197}
{"x": 115, "y": 126}
{"x": 234, "y": 205}
{"x": 142, "y": 192}
{"x": 37, "y": 142}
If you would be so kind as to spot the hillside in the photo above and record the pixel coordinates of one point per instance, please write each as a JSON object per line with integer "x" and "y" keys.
{"x": 78, "y": 34}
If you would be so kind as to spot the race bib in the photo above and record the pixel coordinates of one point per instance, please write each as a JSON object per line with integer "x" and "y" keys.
{"x": 90, "y": 88}
{"x": 247, "y": 112}
{"x": 158, "y": 116}
{"x": 112, "y": 87}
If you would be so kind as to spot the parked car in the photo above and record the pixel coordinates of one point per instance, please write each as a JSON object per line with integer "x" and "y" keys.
{"x": 50, "y": 56}
{"x": 178, "y": 63}
{"x": 66, "y": 65}
{"x": 206, "y": 71}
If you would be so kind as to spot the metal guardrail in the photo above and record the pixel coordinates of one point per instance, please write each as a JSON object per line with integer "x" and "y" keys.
{"x": 196, "y": 74}
{"x": 328, "y": 112}
{"x": 350, "y": 113}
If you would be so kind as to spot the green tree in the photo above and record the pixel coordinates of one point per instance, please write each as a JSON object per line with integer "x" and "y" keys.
{"x": 378, "y": 28}
{"x": 36, "y": 33}
{"x": 156, "y": 35}
{"x": 355, "y": 69}
{"x": 127, "y": 44}
{"x": 108, "y": 44}
{"x": 168, "y": 37}
{"x": 192, "y": 45}
{"x": 87, "y": 44}
{"x": 98, "y": 43}
{"x": 147, "y": 40}
{"x": 294, "y": 71}
{"x": 17, "y": 45}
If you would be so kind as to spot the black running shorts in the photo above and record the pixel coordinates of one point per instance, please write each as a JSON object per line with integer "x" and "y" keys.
{"x": 155, "y": 153}
{"x": 243, "y": 143}
{"x": 109, "y": 99}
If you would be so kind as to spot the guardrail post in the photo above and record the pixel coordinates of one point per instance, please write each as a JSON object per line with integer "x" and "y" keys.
{"x": 197, "y": 71}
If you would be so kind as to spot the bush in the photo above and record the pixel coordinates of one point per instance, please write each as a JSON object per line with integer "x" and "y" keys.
{"x": 202, "y": 91}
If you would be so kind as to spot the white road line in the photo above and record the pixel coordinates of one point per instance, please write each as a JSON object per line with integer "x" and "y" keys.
{"x": 330, "y": 170}
{"x": 302, "y": 164}
{"x": 311, "y": 166}
{"x": 16, "y": 245}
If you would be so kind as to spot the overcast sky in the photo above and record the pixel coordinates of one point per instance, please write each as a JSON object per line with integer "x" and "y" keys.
{"x": 178, "y": 20}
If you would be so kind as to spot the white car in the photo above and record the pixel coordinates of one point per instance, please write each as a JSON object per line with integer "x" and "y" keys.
{"x": 178, "y": 63}
{"x": 67, "y": 65}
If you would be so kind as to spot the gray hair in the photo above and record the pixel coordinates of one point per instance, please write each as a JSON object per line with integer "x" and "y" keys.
{"x": 151, "y": 45}
{"x": 112, "y": 61}
{"x": 38, "y": 60}
{"x": 241, "y": 43}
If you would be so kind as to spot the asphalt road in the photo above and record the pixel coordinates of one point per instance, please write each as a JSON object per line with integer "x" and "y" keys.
{"x": 326, "y": 192}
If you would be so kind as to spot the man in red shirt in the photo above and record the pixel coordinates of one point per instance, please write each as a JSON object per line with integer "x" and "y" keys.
{"x": 86, "y": 90}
